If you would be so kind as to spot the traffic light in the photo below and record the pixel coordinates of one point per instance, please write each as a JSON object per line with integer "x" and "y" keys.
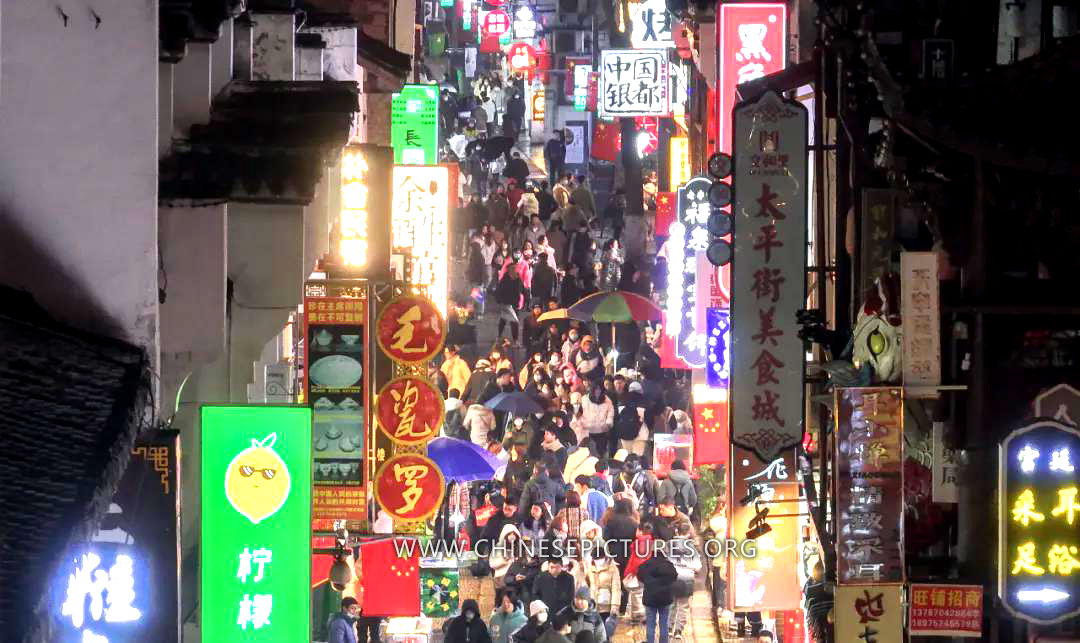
{"x": 720, "y": 221}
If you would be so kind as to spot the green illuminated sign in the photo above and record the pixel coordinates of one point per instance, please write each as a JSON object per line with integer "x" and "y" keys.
{"x": 414, "y": 125}
{"x": 256, "y": 523}
{"x": 446, "y": 4}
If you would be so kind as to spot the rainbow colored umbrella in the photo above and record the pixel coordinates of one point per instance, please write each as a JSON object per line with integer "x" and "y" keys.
{"x": 614, "y": 306}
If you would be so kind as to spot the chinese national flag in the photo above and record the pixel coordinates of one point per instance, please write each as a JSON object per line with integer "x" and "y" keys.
{"x": 606, "y": 141}
{"x": 391, "y": 583}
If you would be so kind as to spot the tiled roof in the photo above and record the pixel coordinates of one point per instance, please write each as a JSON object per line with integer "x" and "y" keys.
{"x": 73, "y": 406}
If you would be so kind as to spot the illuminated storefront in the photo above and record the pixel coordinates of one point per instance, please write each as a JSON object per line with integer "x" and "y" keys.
{"x": 419, "y": 228}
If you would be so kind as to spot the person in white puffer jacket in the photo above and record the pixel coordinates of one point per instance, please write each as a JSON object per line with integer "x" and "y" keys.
{"x": 479, "y": 422}
{"x": 597, "y": 418}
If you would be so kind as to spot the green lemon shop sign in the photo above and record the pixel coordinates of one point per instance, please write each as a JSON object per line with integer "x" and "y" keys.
{"x": 256, "y": 518}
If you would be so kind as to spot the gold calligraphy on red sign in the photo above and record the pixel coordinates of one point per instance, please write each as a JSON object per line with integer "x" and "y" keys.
{"x": 410, "y": 410}
{"x": 410, "y": 329}
{"x": 409, "y": 487}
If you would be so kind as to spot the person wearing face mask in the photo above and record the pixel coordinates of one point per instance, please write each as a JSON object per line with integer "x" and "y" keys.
{"x": 468, "y": 627}
{"x": 343, "y": 623}
{"x": 586, "y": 618}
{"x": 588, "y": 361}
{"x": 507, "y": 618}
{"x": 605, "y": 583}
{"x": 536, "y": 626}
{"x": 572, "y": 343}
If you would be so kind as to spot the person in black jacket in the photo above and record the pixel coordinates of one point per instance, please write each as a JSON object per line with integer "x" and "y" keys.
{"x": 468, "y": 627}
{"x": 555, "y": 587}
{"x": 657, "y": 576}
{"x": 510, "y": 295}
{"x": 544, "y": 279}
{"x": 537, "y": 624}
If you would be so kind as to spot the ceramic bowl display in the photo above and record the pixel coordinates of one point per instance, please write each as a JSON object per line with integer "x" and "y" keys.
{"x": 336, "y": 371}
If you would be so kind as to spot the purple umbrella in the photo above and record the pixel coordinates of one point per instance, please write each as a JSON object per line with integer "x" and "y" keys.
{"x": 463, "y": 461}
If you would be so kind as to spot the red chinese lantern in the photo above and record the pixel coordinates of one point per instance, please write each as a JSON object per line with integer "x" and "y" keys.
{"x": 521, "y": 57}
{"x": 496, "y": 23}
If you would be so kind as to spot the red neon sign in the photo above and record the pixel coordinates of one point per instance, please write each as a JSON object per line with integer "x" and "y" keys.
{"x": 496, "y": 23}
{"x": 521, "y": 56}
{"x": 752, "y": 43}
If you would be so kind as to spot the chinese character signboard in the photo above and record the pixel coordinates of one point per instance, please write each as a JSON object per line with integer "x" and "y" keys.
{"x": 414, "y": 124}
{"x": 752, "y": 43}
{"x": 768, "y": 274}
{"x": 946, "y": 610}
{"x": 410, "y": 410}
{"x": 123, "y": 584}
{"x": 688, "y": 236}
{"x": 922, "y": 318}
{"x": 767, "y": 579}
{"x": 334, "y": 357}
{"x": 410, "y": 330}
{"x": 365, "y": 208}
{"x": 634, "y": 82}
{"x": 256, "y": 523}
{"x": 496, "y": 24}
{"x": 869, "y": 613}
{"x": 419, "y": 227}
{"x": 651, "y": 24}
{"x": 876, "y": 245}
{"x": 409, "y": 487}
{"x": 1039, "y": 522}
{"x": 582, "y": 72}
{"x": 869, "y": 485}
{"x": 680, "y": 160}
{"x": 946, "y": 465}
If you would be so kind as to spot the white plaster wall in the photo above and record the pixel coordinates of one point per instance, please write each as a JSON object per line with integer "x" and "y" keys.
{"x": 165, "y": 108}
{"x": 78, "y": 162}
{"x": 242, "y": 33}
{"x": 309, "y": 63}
{"x": 266, "y": 264}
{"x": 221, "y": 59}
{"x": 404, "y": 27}
{"x": 339, "y": 59}
{"x": 191, "y": 88}
{"x": 193, "y": 254}
{"x": 272, "y": 41}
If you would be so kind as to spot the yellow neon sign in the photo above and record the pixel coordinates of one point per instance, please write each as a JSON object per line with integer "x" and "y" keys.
{"x": 1023, "y": 510}
{"x": 354, "y": 203}
{"x": 680, "y": 161}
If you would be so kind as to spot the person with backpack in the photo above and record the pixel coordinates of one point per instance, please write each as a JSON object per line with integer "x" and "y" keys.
{"x": 643, "y": 484}
{"x": 657, "y": 576}
{"x": 679, "y": 488}
{"x": 538, "y": 490}
{"x": 455, "y": 415}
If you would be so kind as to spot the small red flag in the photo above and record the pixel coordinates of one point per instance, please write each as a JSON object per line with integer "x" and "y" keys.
{"x": 391, "y": 582}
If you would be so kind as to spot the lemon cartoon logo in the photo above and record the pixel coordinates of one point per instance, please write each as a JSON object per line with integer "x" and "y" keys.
{"x": 257, "y": 482}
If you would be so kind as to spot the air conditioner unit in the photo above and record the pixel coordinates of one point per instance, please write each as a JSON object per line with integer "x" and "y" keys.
{"x": 575, "y": 42}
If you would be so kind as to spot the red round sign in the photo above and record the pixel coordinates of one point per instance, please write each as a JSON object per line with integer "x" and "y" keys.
{"x": 521, "y": 57}
{"x": 409, "y": 487}
{"x": 410, "y": 329}
{"x": 410, "y": 410}
{"x": 496, "y": 23}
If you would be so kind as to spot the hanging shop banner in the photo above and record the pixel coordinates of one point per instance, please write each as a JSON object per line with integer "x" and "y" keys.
{"x": 752, "y": 42}
{"x": 634, "y": 82}
{"x": 946, "y": 465}
{"x": 680, "y": 160}
{"x": 869, "y": 613}
{"x": 539, "y": 104}
{"x": 410, "y": 410}
{"x": 877, "y": 234}
{"x": 521, "y": 57}
{"x": 717, "y": 353}
{"x": 410, "y": 329}
{"x": 688, "y": 236}
{"x": 921, "y": 312}
{"x": 365, "y": 208}
{"x": 768, "y": 274}
{"x": 123, "y": 585}
{"x": 419, "y": 227}
{"x": 575, "y": 144}
{"x": 335, "y": 384}
{"x": 409, "y": 487}
{"x": 762, "y": 576}
{"x": 869, "y": 485}
{"x": 581, "y": 75}
{"x": 414, "y": 124}
{"x": 255, "y": 552}
{"x": 946, "y": 610}
{"x": 1039, "y": 521}
{"x": 651, "y": 24}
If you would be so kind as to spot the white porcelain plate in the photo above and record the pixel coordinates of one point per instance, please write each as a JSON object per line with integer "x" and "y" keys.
{"x": 336, "y": 371}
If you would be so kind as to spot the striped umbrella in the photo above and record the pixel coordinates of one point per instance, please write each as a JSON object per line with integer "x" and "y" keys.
{"x": 614, "y": 306}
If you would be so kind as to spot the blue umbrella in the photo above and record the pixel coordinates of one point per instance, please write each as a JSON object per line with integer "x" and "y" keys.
{"x": 514, "y": 402}
{"x": 463, "y": 461}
